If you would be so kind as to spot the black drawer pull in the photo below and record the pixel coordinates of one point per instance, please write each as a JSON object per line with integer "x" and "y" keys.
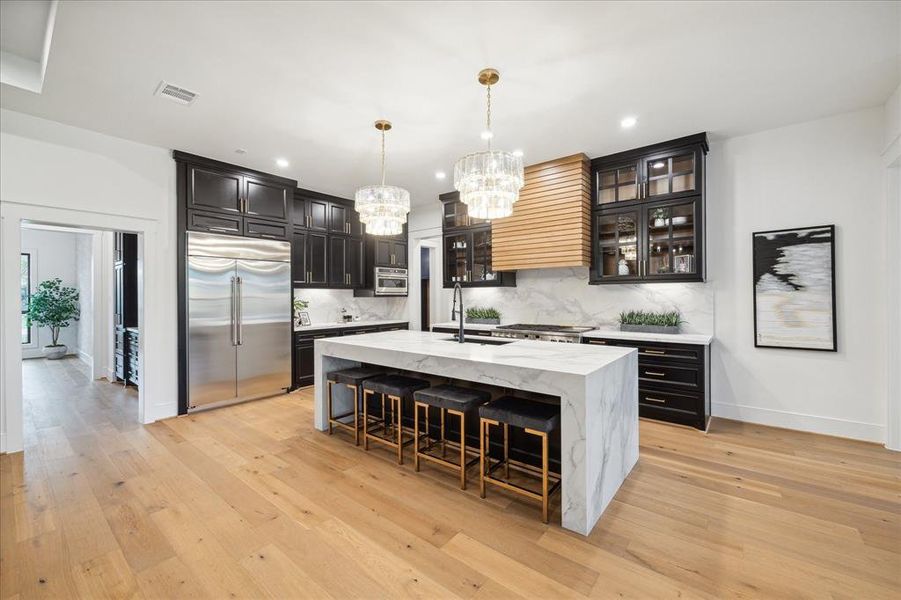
{"x": 655, "y": 400}
{"x": 655, "y": 373}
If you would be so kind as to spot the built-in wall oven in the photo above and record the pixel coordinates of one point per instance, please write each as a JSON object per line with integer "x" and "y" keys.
{"x": 390, "y": 281}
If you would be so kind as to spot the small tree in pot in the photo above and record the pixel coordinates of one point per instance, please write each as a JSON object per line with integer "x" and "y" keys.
{"x": 53, "y": 305}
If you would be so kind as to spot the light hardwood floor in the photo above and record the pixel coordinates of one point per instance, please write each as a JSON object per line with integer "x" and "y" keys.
{"x": 251, "y": 501}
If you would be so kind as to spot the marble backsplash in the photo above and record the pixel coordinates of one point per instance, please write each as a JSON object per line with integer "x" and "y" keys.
{"x": 563, "y": 296}
{"x": 325, "y": 306}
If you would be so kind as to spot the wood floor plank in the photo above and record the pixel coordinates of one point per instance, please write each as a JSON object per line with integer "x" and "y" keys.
{"x": 251, "y": 501}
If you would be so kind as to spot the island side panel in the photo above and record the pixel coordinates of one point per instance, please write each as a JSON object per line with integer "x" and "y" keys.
{"x": 342, "y": 396}
{"x": 573, "y": 463}
{"x": 612, "y": 432}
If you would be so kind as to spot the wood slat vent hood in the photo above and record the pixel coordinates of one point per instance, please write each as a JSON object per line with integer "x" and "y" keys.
{"x": 551, "y": 222}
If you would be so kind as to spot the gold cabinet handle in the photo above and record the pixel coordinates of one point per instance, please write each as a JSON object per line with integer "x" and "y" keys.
{"x": 658, "y": 400}
{"x": 655, "y": 373}
{"x": 660, "y": 352}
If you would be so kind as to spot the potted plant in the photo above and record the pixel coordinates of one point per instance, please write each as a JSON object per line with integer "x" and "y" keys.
{"x": 53, "y": 305}
{"x": 299, "y": 305}
{"x": 650, "y": 322}
{"x": 483, "y": 316}
{"x": 659, "y": 215}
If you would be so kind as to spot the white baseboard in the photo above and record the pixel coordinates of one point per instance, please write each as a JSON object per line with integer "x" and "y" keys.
{"x": 86, "y": 358}
{"x": 869, "y": 432}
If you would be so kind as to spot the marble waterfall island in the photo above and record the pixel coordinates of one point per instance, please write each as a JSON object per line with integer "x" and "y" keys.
{"x": 597, "y": 387}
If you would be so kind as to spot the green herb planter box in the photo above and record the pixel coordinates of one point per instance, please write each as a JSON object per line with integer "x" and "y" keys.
{"x": 649, "y": 328}
{"x": 475, "y": 321}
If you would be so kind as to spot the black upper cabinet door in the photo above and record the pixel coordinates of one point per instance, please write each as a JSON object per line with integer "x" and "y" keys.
{"x": 299, "y": 212}
{"x": 338, "y": 273}
{"x": 337, "y": 218}
{"x": 355, "y": 227}
{"x": 383, "y": 250}
{"x": 318, "y": 212}
{"x": 355, "y": 262}
{"x": 399, "y": 254}
{"x": 212, "y": 189}
{"x": 299, "y": 257}
{"x": 265, "y": 199}
{"x": 317, "y": 253}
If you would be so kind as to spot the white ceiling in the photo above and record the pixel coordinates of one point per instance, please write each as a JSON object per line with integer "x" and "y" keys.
{"x": 305, "y": 81}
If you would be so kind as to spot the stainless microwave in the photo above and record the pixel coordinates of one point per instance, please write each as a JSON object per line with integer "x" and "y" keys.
{"x": 390, "y": 281}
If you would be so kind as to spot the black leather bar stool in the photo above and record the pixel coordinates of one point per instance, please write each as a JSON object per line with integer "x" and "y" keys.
{"x": 352, "y": 378}
{"x": 535, "y": 418}
{"x": 451, "y": 399}
{"x": 396, "y": 388}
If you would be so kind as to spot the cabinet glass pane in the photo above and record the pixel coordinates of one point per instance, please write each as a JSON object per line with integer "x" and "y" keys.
{"x": 659, "y": 258}
{"x": 455, "y": 252}
{"x": 626, "y": 183}
{"x": 618, "y": 261}
{"x": 481, "y": 257}
{"x": 658, "y": 186}
{"x": 607, "y": 196}
{"x": 671, "y": 239}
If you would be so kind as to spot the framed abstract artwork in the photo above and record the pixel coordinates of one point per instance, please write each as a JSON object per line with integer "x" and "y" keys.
{"x": 794, "y": 288}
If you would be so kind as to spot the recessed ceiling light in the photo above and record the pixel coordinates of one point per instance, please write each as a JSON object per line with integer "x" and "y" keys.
{"x": 517, "y": 153}
{"x": 440, "y": 174}
{"x": 487, "y": 135}
{"x": 628, "y": 122}
{"x": 283, "y": 163}
{"x": 659, "y": 164}
{"x": 240, "y": 151}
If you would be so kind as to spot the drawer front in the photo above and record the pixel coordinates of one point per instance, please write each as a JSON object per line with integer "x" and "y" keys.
{"x": 119, "y": 342}
{"x": 265, "y": 229}
{"x": 670, "y": 352}
{"x": 670, "y": 400}
{"x": 661, "y": 373}
{"x": 359, "y": 331}
{"x": 673, "y": 415}
{"x": 214, "y": 223}
{"x": 301, "y": 338}
{"x": 120, "y": 366}
{"x": 394, "y": 327}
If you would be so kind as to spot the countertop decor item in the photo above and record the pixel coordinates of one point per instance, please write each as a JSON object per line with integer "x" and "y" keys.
{"x": 383, "y": 208}
{"x": 483, "y": 316}
{"x": 53, "y": 306}
{"x": 650, "y": 322}
{"x": 489, "y": 181}
{"x": 794, "y": 289}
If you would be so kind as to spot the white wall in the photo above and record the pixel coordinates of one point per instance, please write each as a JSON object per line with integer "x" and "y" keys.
{"x": 891, "y": 158}
{"x": 84, "y": 279}
{"x": 54, "y": 256}
{"x": 822, "y": 172}
{"x": 66, "y": 175}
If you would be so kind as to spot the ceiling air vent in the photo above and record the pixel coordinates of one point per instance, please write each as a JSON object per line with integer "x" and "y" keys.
{"x": 175, "y": 93}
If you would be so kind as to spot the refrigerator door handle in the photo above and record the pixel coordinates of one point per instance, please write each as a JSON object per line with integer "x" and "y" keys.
{"x": 234, "y": 313}
{"x": 240, "y": 311}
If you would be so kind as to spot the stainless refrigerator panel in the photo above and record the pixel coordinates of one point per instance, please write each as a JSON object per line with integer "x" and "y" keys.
{"x": 264, "y": 326}
{"x": 212, "y": 355}
{"x": 229, "y": 246}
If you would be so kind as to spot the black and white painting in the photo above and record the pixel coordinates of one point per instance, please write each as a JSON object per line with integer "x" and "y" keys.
{"x": 794, "y": 288}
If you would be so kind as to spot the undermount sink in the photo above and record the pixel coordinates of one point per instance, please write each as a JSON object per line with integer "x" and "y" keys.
{"x": 481, "y": 342}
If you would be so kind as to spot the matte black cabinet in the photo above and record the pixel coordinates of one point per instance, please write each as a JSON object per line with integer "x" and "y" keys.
{"x": 327, "y": 242}
{"x": 125, "y": 301}
{"x": 648, "y": 208}
{"x": 308, "y": 259}
{"x": 673, "y": 380}
{"x": 467, "y": 249}
{"x": 320, "y": 212}
{"x": 231, "y": 191}
{"x": 390, "y": 253}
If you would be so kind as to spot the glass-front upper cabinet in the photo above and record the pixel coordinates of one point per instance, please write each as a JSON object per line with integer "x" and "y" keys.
{"x": 481, "y": 257}
{"x": 456, "y": 215}
{"x": 618, "y": 184}
{"x": 671, "y": 240}
{"x": 618, "y": 245}
{"x": 456, "y": 257}
{"x": 670, "y": 175}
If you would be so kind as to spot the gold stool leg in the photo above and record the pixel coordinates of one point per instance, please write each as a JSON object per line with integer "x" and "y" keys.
{"x": 328, "y": 386}
{"x": 384, "y": 422}
{"x": 428, "y": 428}
{"x": 506, "y": 451}
{"x": 482, "y": 434}
{"x": 462, "y": 451}
{"x": 443, "y": 440}
{"x": 416, "y": 436}
{"x": 366, "y": 419}
{"x": 544, "y": 471}
{"x": 400, "y": 431}
{"x": 356, "y": 414}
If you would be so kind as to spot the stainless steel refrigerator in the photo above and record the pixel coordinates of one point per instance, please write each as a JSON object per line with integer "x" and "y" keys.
{"x": 239, "y": 319}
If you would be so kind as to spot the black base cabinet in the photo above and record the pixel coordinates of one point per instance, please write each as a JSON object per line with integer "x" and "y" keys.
{"x": 673, "y": 380}
{"x": 305, "y": 340}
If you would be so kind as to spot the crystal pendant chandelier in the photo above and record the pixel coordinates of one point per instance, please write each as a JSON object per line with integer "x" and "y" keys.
{"x": 382, "y": 208}
{"x": 489, "y": 181}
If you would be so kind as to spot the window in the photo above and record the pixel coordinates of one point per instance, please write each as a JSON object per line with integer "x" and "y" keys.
{"x": 25, "y": 295}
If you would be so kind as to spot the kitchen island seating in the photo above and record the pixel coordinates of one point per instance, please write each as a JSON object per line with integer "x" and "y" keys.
{"x": 535, "y": 418}
{"x": 352, "y": 378}
{"x": 450, "y": 399}
{"x": 397, "y": 388}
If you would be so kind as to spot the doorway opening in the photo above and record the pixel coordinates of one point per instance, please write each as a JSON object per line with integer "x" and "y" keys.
{"x": 424, "y": 286}
{"x": 79, "y": 304}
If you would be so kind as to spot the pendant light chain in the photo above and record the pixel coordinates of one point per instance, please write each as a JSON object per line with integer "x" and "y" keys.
{"x": 488, "y": 117}
{"x": 383, "y": 157}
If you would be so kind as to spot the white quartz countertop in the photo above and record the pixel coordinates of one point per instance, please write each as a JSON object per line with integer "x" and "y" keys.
{"x": 550, "y": 357}
{"x": 639, "y": 336}
{"x": 352, "y": 324}
{"x": 613, "y": 334}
